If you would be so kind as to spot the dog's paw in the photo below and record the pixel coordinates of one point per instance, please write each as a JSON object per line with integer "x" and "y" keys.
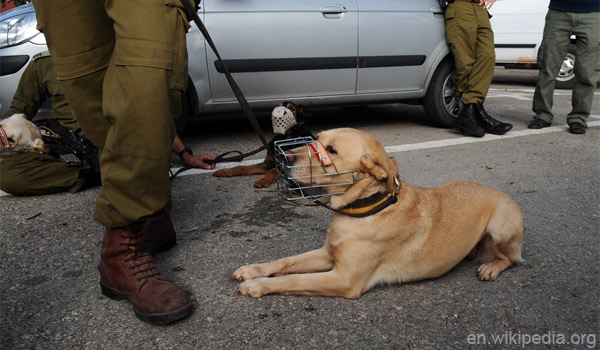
{"x": 223, "y": 173}
{"x": 488, "y": 272}
{"x": 262, "y": 183}
{"x": 253, "y": 288}
{"x": 248, "y": 272}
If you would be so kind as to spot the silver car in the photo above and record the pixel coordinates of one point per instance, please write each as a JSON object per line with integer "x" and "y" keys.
{"x": 346, "y": 52}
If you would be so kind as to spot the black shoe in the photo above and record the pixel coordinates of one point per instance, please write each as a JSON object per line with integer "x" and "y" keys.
{"x": 538, "y": 124}
{"x": 489, "y": 124}
{"x": 465, "y": 122}
{"x": 577, "y": 128}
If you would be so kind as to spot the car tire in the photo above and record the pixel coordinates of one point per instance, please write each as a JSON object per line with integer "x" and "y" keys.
{"x": 441, "y": 102}
{"x": 189, "y": 107}
{"x": 566, "y": 76}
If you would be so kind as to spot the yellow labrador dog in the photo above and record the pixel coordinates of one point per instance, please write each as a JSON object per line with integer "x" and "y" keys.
{"x": 17, "y": 134}
{"x": 424, "y": 234}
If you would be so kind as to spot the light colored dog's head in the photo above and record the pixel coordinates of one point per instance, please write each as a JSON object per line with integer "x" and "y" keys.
{"x": 20, "y": 135}
{"x": 345, "y": 156}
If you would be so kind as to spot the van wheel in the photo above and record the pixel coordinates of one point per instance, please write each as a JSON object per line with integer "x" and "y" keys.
{"x": 441, "y": 102}
{"x": 566, "y": 75}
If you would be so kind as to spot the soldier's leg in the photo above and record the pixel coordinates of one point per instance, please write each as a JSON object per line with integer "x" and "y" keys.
{"x": 136, "y": 90}
{"x": 28, "y": 174}
{"x": 461, "y": 34}
{"x": 81, "y": 48}
{"x": 553, "y": 50}
{"x": 482, "y": 73}
{"x": 142, "y": 90}
{"x": 587, "y": 65}
{"x": 139, "y": 89}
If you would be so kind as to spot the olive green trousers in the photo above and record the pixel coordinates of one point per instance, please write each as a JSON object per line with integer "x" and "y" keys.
{"x": 555, "y": 43}
{"x": 471, "y": 39}
{"x": 123, "y": 66}
{"x": 29, "y": 174}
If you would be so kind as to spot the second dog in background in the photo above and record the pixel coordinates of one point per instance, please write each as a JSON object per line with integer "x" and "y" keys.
{"x": 289, "y": 121}
{"x": 17, "y": 134}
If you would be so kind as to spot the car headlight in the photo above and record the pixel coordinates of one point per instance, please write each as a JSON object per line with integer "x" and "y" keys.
{"x": 18, "y": 29}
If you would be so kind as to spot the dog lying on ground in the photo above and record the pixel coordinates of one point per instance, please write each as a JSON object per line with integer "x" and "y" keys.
{"x": 423, "y": 235}
{"x": 288, "y": 122}
{"x": 20, "y": 135}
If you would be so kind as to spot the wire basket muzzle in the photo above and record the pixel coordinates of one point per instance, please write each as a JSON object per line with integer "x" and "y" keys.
{"x": 301, "y": 184}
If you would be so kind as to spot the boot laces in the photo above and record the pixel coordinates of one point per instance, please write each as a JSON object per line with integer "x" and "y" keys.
{"x": 142, "y": 263}
{"x": 486, "y": 117}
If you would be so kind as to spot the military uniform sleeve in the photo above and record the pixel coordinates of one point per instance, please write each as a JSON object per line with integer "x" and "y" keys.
{"x": 30, "y": 94}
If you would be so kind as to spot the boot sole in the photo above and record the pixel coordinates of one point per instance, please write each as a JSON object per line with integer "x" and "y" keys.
{"x": 467, "y": 133}
{"x": 150, "y": 318}
{"x": 165, "y": 318}
{"x": 499, "y": 132}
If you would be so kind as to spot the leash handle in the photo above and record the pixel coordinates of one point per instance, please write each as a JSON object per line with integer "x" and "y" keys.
{"x": 234, "y": 86}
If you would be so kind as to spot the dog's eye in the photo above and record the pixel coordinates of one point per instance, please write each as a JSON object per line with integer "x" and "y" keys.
{"x": 330, "y": 150}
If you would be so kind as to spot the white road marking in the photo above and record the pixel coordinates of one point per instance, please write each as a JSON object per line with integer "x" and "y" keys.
{"x": 524, "y": 94}
{"x": 411, "y": 146}
{"x": 487, "y": 137}
{"x": 422, "y": 145}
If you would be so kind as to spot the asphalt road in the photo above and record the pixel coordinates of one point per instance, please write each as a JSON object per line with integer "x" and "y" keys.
{"x": 49, "y": 248}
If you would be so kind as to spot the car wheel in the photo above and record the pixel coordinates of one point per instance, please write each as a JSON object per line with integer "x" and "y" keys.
{"x": 189, "y": 107}
{"x": 566, "y": 75}
{"x": 442, "y": 100}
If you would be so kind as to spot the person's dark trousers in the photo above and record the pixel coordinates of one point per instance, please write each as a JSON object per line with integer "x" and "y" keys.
{"x": 557, "y": 37}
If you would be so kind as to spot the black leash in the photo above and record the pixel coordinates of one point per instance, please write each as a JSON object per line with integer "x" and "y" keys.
{"x": 234, "y": 86}
{"x": 240, "y": 156}
{"x": 219, "y": 159}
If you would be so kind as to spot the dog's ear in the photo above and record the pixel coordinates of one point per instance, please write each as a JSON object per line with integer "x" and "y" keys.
{"x": 303, "y": 114}
{"x": 383, "y": 169}
{"x": 292, "y": 107}
{"x": 373, "y": 167}
{"x": 38, "y": 146}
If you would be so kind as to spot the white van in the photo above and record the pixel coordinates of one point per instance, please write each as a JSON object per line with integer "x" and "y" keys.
{"x": 518, "y": 29}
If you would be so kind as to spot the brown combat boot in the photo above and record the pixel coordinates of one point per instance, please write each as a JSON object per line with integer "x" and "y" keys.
{"x": 158, "y": 233}
{"x": 126, "y": 272}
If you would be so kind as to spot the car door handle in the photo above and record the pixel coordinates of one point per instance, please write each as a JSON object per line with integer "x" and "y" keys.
{"x": 333, "y": 11}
